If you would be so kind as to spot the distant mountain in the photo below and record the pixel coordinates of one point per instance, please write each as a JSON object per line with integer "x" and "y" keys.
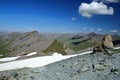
{"x": 17, "y": 43}
{"x": 3, "y": 33}
{"x": 56, "y": 46}
{"x": 79, "y": 42}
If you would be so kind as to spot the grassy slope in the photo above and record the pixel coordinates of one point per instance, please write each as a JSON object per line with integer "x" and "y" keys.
{"x": 67, "y": 41}
{"x": 4, "y": 47}
{"x": 82, "y": 46}
{"x": 56, "y": 46}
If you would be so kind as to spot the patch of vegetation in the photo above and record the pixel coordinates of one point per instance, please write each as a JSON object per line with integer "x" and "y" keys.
{"x": 81, "y": 46}
{"x": 56, "y": 46}
{"x": 4, "y": 48}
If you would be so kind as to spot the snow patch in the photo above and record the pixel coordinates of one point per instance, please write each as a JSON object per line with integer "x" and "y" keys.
{"x": 36, "y": 62}
{"x": 8, "y": 59}
{"x": 56, "y": 54}
{"x": 117, "y": 48}
{"x": 30, "y": 54}
{"x": 14, "y": 58}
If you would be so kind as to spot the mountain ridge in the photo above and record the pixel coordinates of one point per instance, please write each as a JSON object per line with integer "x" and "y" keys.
{"x": 14, "y": 43}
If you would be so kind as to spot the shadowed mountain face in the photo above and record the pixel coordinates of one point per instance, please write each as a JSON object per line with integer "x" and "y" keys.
{"x": 79, "y": 42}
{"x": 116, "y": 42}
{"x": 15, "y": 43}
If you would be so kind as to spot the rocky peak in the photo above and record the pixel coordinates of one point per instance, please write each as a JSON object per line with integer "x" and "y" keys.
{"x": 107, "y": 41}
{"x": 104, "y": 44}
{"x": 90, "y": 35}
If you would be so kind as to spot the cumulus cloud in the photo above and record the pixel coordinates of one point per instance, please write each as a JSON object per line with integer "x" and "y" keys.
{"x": 95, "y": 8}
{"x": 114, "y": 31}
{"x": 73, "y": 18}
{"x": 109, "y": 1}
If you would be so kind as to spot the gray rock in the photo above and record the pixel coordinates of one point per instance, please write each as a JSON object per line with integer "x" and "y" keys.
{"x": 12, "y": 78}
{"x": 99, "y": 66}
{"x": 84, "y": 69}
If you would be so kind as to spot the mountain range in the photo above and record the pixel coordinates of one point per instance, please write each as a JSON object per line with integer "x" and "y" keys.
{"x": 18, "y": 43}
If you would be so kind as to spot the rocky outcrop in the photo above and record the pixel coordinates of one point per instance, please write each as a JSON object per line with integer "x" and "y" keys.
{"x": 85, "y": 67}
{"x": 105, "y": 45}
{"x": 107, "y": 41}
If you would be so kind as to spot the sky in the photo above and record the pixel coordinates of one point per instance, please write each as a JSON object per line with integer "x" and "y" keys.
{"x": 60, "y": 16}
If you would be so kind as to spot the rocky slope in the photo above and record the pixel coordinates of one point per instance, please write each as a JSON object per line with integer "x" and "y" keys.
{"x": 78, "y": 42}
{"x": 97, "y": 66}
{"x": 17, "y": 43}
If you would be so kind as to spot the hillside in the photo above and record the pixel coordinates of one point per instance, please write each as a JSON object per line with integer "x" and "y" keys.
{"x": 78, "y": 42}
{"x": 98, "y": 66}
{"x": 17, "y": 43}
{"x": 56, "y": 46}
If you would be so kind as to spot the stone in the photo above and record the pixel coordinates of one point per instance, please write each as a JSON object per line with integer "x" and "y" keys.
{"x": 98, "y": 47}
{"x": 105, "y": 45}
{"x": 115, "y": 71}
{"x": 107, "y": 41}
{"x": 3, "y": 77}
{"x": 12, "y": 78}
{"x": 99, "y": 67}
{"x": 84, "y": 69}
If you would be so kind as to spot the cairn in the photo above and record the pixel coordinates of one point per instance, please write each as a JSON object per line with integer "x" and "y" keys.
{"x": 105, "y": 45}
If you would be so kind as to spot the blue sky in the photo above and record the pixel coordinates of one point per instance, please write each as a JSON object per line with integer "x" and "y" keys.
{"x": 60, "y": 16}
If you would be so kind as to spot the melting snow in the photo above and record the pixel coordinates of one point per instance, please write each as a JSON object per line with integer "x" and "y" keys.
{"x": 30, "y": 54}
{"x": 117, "y": 48}
{"x": 8, "y": 59}
{"x": 36, "y": 62}
{"x": 56, "y": 54}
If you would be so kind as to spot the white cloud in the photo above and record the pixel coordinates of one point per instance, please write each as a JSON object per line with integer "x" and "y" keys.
{"x": 113, "y": 1}
{"x": 91, "y": 29}
{"x": 73, "y": 18}
{"x": 109, "y": 1}
{"x": 114, "y": 31}
{"x": 84, "y": 28}
{"x": 95, "y": 8}
{"x": 99, "y": 29}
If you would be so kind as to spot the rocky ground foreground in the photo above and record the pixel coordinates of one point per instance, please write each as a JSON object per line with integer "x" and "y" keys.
{"x": 97, "y": 66}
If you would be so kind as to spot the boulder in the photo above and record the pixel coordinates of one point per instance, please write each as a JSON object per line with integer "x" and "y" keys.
{"x": 99, "y": 66}
{"x": 107, "y": 41}
{"x": 98, "y": 47}
{"x": 83, "y": 69}
{"x": 12, "y": 78}
{"x": 105, "y": 45}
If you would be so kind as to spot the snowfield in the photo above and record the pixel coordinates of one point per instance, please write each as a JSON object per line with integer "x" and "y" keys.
{"x": 8, "y": 59}
{"x": 30, "y": 54}
{"x": 35, "y": 62}
{"x": 14, "y": 58}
